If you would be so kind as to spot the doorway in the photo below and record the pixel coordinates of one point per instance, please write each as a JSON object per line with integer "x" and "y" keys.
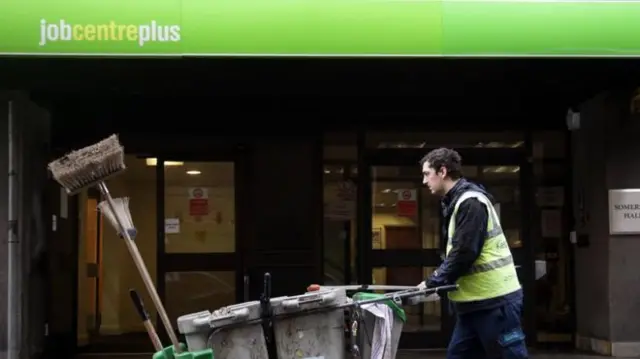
{"x": 199, "y": 266}
{"x": 185, "y": 215}
{"x": 406, "y": 244}
{"x": 209, "y": 227}
{"x": 106, "y": 318}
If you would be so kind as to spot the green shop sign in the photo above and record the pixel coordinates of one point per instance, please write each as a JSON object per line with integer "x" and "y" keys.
{"x": 474, "y": 28}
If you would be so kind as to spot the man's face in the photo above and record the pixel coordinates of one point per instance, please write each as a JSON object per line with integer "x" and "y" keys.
{"x": 432, "y": 179}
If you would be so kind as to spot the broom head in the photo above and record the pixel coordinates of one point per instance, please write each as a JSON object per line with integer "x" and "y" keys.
{"x": 89, "y": 166}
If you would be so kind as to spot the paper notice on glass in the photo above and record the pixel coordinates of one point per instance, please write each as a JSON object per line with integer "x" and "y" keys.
{"x": 171, "y": 225}
{"x": 550, "y": 196}
{"x": 541, "y": 268}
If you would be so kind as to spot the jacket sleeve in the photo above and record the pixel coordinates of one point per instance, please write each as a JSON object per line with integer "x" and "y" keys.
{"x": 467, "y": 242}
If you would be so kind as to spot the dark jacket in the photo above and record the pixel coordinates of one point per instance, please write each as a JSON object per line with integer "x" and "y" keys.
{"x": 471, "y": 226}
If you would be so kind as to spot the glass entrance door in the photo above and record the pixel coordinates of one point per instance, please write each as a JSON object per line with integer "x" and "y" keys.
{"x": 406, "y": 243}
{"x": 199, "y": 266}
{"x": 405, "y": 239}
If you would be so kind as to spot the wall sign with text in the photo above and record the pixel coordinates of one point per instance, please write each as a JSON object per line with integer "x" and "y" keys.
{"x": 624, "y": 211}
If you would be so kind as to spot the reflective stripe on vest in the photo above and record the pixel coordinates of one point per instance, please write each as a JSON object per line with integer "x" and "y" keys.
{"x": 493, "y": 274}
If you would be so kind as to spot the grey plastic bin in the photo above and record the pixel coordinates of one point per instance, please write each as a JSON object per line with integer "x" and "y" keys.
{"x": 195, "y": 328}
{"x": 211, "y": 330}
{"x": 367, "y": 328}
{"x": 306, "y": 335}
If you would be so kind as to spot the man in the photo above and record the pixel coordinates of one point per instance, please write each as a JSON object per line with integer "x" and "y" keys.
{"x": 488, "y": 303}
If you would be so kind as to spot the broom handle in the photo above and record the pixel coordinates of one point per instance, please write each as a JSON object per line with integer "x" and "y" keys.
{"x": 153, "y": 335}
{"x": 146, "y": 278}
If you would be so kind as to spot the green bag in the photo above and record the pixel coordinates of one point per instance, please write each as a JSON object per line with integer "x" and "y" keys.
{"x": 399, "y": 312}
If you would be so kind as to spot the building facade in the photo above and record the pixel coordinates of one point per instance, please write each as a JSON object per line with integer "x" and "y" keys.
{"x": 339, "y": 205}
{"x": 328, "y": 205}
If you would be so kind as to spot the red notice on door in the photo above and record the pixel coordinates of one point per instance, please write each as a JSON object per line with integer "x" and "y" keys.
{"x": 407, "y": 203}
{"x": 198, "y": 201}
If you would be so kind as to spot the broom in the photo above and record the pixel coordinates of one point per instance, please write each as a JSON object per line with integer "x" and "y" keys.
{"x": 122, "y": 209}
{"x": 91, "y": 166}
{"x": 139, "y": 305}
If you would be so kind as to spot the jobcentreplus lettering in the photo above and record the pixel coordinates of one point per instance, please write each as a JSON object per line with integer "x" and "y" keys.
{"x": 140, "y": 33}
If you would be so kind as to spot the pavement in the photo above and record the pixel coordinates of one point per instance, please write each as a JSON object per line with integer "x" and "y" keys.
{"x": 441, "y": 355}
{"x": 402, "y": 355}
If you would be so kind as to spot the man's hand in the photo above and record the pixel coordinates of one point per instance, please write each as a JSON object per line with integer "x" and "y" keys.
{"x": 435, "y": 280}
{"x": 422, "y": 285}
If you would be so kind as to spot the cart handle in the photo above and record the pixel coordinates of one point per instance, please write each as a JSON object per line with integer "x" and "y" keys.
{"x": 398, "y": 297}
{"x": 361, "y": 287}
{"x": 312, "y": 299}
{"x": 410, "y": 296}
{"x": 234, "y": 315}
{"x": 444, "y": 288}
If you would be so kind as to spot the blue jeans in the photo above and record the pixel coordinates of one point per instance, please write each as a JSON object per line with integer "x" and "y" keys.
{"x": 489, "y": 334}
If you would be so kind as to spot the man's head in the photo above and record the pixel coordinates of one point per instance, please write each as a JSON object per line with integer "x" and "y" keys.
{"x": 441, "y": 168}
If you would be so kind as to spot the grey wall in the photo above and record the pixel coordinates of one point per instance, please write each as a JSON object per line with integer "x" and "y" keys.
{"x": 32, "y": 136}
{"x": 592, "y": 262}
{"x": 606, "y": 154}
{"x": 623, "y": 171}
{"x": 4, "y": 112}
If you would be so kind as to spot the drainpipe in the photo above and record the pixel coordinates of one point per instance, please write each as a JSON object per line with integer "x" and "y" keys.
{"x": 14, "y": 259}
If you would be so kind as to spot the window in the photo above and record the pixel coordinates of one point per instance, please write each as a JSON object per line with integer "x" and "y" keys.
{"x": 340, "y": 155}
{"x": 200, "y": 210}
{"x": 450, "y": 139}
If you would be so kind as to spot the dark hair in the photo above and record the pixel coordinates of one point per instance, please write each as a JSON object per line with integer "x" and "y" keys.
{"x": 447, "y": 158}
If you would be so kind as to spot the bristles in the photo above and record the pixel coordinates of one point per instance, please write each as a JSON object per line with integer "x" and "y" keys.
{"x": 122, "y": 210}
{"x": 90, "y": 165}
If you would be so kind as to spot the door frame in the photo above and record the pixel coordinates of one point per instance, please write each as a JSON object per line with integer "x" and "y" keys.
{"x": 202, "y": 262}
{"x": 94, "y": 193}
{"x": 525, "y": 256}
{"x": 65, "y": 234}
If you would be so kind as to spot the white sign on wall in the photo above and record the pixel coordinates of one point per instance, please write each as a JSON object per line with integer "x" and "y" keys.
{"x": 624, "y": 211}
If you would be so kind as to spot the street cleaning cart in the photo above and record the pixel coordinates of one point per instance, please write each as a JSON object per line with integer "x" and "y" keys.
{"x": 306, "y": 326}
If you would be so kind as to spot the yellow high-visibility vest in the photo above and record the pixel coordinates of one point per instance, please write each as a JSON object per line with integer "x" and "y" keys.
{"x": 493, "y": 274}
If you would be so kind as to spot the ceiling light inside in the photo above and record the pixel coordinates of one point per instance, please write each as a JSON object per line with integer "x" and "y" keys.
{"x": 154, "y": 162}
{"x": 193, "y": 172}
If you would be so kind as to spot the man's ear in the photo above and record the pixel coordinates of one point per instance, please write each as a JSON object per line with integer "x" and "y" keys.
{"x": 442, "y": 172}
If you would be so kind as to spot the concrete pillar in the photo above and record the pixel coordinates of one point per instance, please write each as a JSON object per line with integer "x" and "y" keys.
{"x": 4, "y": 114}
{"x": 606, "y": 155}
{"x": 32, "y": 138}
